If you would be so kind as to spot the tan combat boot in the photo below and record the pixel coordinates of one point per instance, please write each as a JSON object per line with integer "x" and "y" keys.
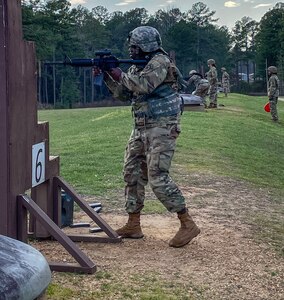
{"x": 188, "y": 230}
{"x": 132, "y": 228}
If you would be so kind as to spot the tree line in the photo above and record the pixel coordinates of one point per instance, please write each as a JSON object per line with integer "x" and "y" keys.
{"x": 192, "y": 36}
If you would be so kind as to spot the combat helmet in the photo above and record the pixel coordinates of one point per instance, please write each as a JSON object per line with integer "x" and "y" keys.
{"x": 211, "y": 61}
{"x": 272, "y": 69}
{"x": 147, "y": 38}
{"x": 192, "y": 72}
{"x": 223, "y": 69}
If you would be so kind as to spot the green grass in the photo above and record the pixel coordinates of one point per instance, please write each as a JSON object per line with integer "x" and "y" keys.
{"x": 91, "y": 144}
{"x": 55, "y": 291}
{"x": 146, "y": 286}
{"x": 270, "y": 229}
{"x": 153, "y": 206}
{"x": 238, "y": 140}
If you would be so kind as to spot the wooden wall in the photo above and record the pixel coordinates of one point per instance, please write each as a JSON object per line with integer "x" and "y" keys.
{"x": 19, "y": 129}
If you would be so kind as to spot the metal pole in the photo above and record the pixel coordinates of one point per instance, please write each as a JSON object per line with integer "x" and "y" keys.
{"x": 266, "y": 73}
{"x": 54, "y": 81}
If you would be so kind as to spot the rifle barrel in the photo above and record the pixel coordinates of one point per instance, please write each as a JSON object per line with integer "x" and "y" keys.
{"x": 89, "y": 62}
{"x": 54, "y": 63}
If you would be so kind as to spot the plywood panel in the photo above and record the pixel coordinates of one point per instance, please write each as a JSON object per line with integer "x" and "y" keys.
{"x": 19, "y": 129}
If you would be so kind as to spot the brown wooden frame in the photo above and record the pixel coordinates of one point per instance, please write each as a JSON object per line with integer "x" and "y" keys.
{"x": 25, "y": 204}
{"x": 58, "y": 184}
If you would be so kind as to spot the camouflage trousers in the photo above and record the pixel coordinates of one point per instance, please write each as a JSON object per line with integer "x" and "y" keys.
{"x": 202, "y": 91}
{"x": 213, "y": 94}
{"x": 226, "y": 87}
{"x": 148, "y": 157}
{"x": 273, "y": 107}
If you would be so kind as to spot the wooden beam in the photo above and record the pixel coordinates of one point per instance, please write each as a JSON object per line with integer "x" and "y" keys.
{"x": 85, "y": 264}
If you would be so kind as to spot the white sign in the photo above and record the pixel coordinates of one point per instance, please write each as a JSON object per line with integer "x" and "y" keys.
{"x": 38, "y": 164}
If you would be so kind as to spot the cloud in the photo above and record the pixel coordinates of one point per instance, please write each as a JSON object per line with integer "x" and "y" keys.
{"x": 231, "y": 4}
{"x": 75, "y": 2}
{"x": 121, "y": 3}
{"x": 263, "y": 5}
{"x": 126, "y": 2}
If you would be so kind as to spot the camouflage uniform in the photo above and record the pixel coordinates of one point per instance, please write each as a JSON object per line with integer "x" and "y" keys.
{"x": 225, "y": 81}
{"x": 212, "y": 77}
{"x": 273, "y": 94}
{"x": 201, "y": 87}
{"x": 150, "y": 149}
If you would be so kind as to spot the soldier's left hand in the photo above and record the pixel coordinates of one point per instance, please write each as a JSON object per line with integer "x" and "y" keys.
{"x": 96, "y": 71}
{"x": 115, "y": 73}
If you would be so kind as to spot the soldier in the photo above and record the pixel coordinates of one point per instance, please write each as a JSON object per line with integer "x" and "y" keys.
{"x": 273, "y": 91}
{"x": 212, "y": 77}
{"x": 201, "y": 85}
{"x": 225, "y": 81}
{"x": 150, "y": 149}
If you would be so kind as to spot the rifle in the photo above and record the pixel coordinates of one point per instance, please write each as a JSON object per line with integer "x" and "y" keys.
{"x": 104, "y": 60}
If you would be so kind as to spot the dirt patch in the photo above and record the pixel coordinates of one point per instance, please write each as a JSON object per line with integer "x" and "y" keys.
{"x": 223, "y": 262}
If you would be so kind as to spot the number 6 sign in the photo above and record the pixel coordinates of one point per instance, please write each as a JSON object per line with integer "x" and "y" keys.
{"x": 38, "y": 164}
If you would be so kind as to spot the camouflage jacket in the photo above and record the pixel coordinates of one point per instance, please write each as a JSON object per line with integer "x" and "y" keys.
{"x": 156, "y": 83}
{"x": 225, "y": 77}
{"x": 212, "y": 75}
{"x": 197, "y": 80}
{"x": 273, "y": 86}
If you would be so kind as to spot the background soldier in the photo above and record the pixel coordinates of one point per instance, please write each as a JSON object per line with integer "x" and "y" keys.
{"x": 212, "y": 77}
{"x": 225, "y": 81}
{"x": 273, "y": 91}
{"x": 201, "y": 85}
{"x": 150, "y": 149}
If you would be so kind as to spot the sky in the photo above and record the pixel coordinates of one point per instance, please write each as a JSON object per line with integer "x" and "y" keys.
{"x": 228, "y": 12}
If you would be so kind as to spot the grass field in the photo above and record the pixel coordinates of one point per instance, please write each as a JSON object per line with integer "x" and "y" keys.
{"x": 234, "y": 158}
{"x": 238, "y": 140}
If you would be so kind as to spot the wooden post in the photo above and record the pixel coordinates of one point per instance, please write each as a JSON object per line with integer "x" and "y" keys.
{"x": 17, "y": 82}
{"x": 4, "y": 144}
{"x": 19, "y": 127}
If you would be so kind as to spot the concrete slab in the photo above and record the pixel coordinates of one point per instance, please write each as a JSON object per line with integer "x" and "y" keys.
{"x": 192, "y": 102}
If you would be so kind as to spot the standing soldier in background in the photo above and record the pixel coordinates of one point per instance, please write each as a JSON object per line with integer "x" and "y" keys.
{"x": 212, "y": 77}
{"x": 150, "y": 149}
{"x": 273, "y": 91}
{"x": 201, "y": 85}
{"x": 225, "y": 81}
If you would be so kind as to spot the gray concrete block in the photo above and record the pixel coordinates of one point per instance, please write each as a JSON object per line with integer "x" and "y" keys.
{"x": 24, "y": 271}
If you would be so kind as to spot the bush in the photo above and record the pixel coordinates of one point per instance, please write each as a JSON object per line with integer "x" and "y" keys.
{"x": 258, "y": 86}
{"x": 255, "y": 87}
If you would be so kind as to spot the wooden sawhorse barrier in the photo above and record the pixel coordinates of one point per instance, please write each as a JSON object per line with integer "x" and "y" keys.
{"x": 86, "y": 265}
